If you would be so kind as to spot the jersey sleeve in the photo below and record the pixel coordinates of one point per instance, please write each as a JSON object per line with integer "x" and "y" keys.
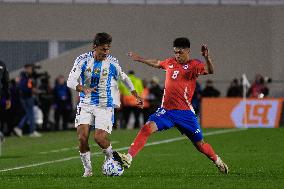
{"x": 127, "y": 82}
{"x": 124, "y": 78}
{"x": 164, "y": 63}
{"x": 199, "y": 68}
{"x": 74, "y": 75}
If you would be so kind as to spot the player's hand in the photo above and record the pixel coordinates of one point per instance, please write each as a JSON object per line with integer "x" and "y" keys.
{"x": 134, "y": 56}
{"x": 204, "y": 51}
{"x": 87, "y": 90}
{"x": 138, "y": 99}
{"x": 140, "y": 102}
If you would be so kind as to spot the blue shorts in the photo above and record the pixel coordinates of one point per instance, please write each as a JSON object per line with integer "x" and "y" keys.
{"x": 185, "y": 120}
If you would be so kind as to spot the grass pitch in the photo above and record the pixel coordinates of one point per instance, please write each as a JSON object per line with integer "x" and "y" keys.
{"x": 255, "y": 158}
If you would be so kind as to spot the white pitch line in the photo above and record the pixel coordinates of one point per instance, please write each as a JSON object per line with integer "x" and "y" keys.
{"x": 68, "y": 149}
{"x": 123, "y": 148}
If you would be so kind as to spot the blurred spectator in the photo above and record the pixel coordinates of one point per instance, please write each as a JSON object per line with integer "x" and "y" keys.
{"x": 210, "y": 90}
{"x": 62, "y": 102}
{"x": 129, "y": 102}
{"x": 45, "y": 98}
{"x": 16, "y": 108}
{"x": 258, "y": 89}
{"x": 27, "y": 89}
{"x": 4, "y": 93}
{"x": 235, "y": 89}
{"x": 155, "y": 94}
{"x": 196, "y": 98}
{"x": 146, "y": 97}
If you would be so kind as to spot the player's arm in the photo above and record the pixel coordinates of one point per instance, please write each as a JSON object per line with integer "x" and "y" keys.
{"x": 73, "y": 79}
{"x": 128, "y": 83}
{"x": 209, "y": 68}
{"x": 151, "y": 62}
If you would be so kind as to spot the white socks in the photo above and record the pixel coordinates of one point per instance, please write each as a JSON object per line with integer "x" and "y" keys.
{"x": 86, "y": 160}
{"x": 108, "y": 152}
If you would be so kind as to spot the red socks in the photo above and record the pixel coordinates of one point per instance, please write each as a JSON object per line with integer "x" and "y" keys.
{"x": 206, "y": 149}
{"x": 140, "y": 140}
{"x": 144, "y": 134}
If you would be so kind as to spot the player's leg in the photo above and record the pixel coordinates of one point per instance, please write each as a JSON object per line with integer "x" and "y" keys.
{"x": 83, "y": 131}
{"x": 207, "y": 150}
{"x": 157, "y": 122}
{"x": 104, "y": 118}
{"x": 137, "y": 145}
{"x": 82, "y": 122}
{"x": 101, "y": 138}
{"x": 188, "y": 124}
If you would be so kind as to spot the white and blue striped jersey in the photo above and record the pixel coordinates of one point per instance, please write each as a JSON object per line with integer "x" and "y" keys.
{"x": 102, "y": 75}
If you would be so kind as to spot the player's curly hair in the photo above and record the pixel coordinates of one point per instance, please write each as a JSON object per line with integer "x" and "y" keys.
{"x": 102, "y": 39}
{"x": 181, "y": 42}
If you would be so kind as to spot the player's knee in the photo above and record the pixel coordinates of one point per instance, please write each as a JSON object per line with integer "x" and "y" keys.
{"x": 149, "y": 128}
{"x": 99, "y": 138}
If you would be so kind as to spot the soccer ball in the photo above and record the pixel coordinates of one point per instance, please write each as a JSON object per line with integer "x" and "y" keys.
{"x": 112, "y": 168}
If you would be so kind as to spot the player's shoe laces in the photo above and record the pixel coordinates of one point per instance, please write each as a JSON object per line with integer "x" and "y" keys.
{"x": 88, "y": 173}
{"x": 223, "y": 168}
{"x": 123, "y": 159}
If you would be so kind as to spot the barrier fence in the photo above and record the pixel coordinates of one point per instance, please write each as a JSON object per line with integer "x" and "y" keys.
{"x": 239, "y": 113}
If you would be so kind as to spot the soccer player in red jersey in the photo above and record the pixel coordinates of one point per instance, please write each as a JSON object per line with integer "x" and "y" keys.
{"x": 176, "y": 110}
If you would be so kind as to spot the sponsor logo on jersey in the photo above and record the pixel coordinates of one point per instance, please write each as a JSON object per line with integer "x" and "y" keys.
{"x": 105, "y": 72}
{"x": 89, "y": 70}
{"x": 97, "y": 70}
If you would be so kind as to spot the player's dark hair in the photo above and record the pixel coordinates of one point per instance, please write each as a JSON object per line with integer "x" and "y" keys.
{"x": 102, "y": 39}
{"x": 181, "y": 42}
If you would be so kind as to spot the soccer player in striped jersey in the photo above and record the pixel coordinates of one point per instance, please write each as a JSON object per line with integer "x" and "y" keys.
{"x": 95, "y": 75}
{"x": 176, "y": 110}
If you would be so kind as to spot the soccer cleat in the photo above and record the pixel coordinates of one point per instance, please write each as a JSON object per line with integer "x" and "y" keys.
{"x": 88, "y": 173}
{"x": 123, "y": 159}
{"x": 223, "y": 168}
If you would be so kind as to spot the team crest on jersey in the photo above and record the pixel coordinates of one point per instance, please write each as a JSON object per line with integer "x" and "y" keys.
{"x": 97, "y": 70}
{"x": 105, "y": 72}
{"x": 171, "y": 66}
{"x": 89, "y": 70}
{"x": 185, "y": 67}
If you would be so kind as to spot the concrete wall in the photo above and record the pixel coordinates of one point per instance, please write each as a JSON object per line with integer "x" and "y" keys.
{"x": 242, "y": 39}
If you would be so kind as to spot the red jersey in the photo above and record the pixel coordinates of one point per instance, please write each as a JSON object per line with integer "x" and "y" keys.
{"x": 180, "y": 83}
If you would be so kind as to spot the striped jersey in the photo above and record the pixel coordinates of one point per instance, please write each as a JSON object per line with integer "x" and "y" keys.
{"x": 101, "y": 75}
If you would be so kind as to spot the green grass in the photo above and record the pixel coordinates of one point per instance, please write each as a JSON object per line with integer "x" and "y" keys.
{"x": 255, "y": 158}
